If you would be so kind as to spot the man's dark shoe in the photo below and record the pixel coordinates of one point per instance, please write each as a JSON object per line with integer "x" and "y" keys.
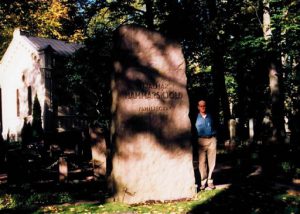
{"x": 210, "y": 186}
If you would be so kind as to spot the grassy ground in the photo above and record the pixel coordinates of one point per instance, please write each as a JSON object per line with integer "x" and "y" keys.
{"x": 249, "y": 192}
{"x": 235, "y": 199}
{"x": 113, "y": 207}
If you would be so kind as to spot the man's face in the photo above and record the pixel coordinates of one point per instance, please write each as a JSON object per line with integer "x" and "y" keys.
{"x": 202, "y": 106}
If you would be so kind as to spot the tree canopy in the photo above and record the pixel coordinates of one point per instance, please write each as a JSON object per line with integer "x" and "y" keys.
{"x": 228, "y": 44}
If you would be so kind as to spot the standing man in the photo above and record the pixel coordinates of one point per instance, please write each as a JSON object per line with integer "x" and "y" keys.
{"x": 207, "y": 146}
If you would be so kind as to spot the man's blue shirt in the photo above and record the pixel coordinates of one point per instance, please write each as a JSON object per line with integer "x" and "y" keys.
{"x": 204, "y": 126}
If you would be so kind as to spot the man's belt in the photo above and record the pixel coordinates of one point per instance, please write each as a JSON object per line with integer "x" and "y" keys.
{"x": 206, "y": 136}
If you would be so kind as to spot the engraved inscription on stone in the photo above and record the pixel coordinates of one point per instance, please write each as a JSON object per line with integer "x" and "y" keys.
{"x": 155, "y": 91}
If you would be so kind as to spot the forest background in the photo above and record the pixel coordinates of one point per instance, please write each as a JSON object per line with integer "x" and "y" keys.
{"x": 242, "y": 56}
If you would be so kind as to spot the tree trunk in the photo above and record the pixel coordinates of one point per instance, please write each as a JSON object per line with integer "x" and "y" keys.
{"x": 275, "y": 122}
{"x": 220, "y": 90}
{"x": 218, "y": 68}
{"x": 266, "y": 20}
{"x": 241, "y": 105}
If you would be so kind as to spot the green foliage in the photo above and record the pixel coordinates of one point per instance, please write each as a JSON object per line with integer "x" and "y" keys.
{"x": 66, "y": 20}
{"x": 231, "y": 86}
{"x": 32, "y": 200}
{"x": 45, "y": 198}
{"x": 286, "y": 167}
{"x": 17, "y": 14}
{"x": 229, "y": 31}
{"x": 292, "y": 201}
{"x": 62, "y": 20}
{"x": 8, "y": 201}
{"x": 88, "y": 77}
{"x": 252, "y": 43}
{"x": 297, "y": 173}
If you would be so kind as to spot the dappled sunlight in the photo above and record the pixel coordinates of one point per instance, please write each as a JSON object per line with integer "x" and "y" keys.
{"x": 146, "y": 164}
{"x": 243, "y": 193}
{"x": 99, "y": 151}
{"x": 163, "y": 55}
{"x": 98, "y": 106}
{"x": 62, "y": 169}
{"x": 151, "y": 129}
{"x": 69, "y": 205}
{"x": 177, "y": 206}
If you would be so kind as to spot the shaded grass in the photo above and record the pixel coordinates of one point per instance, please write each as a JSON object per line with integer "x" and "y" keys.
{"x": 32, "y": 201}
{"x": 37, "y": 203}
{"x": 254, "y": 194}
{"x": 30, "y": 197}
{"x": 271, "y": 202}
{"x": 64, "y": 203}
{"x": 292, "y": 202}
{"x": 114, "y": 207}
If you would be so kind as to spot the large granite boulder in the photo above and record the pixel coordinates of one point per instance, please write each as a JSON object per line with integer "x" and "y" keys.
{"x": 151, "y": 130}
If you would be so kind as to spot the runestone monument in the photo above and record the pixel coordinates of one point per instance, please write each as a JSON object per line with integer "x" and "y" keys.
{"x": 151, "y": 130}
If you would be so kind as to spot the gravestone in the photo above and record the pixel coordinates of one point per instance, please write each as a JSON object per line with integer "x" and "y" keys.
{"x": 152, "y": 153}
{"x": 98, "y": 150}
{"x": 62, "y": 169}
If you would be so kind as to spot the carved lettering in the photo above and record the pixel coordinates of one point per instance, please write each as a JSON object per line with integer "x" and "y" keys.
{"x": 163, "y": 95}
{"x": 161, "y": 86}
{"x": 153, "y": 108}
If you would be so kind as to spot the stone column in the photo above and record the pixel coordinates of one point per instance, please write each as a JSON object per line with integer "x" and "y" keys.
{"x": 151, "y": 130}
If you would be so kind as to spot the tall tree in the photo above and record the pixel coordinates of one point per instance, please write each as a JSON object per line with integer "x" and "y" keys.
{"x": 62, "y": 20}
{"x": 217, "y": 46}
{"x": 18, "y": 14}
{"x": 66, "y": 20}
{"x": 274, "y": 115}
